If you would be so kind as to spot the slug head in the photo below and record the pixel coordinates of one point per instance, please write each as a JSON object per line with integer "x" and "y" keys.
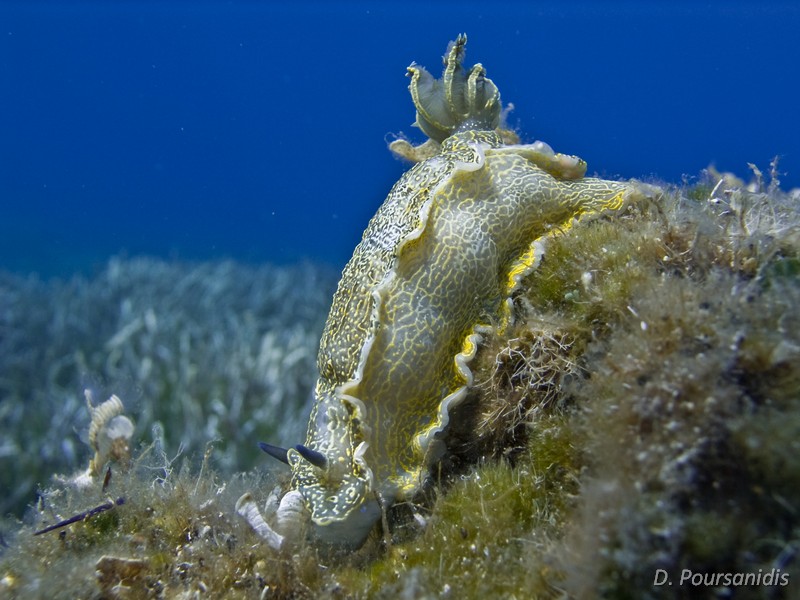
{"x": 339, "y": 494}
{"x": 459, "y": 101}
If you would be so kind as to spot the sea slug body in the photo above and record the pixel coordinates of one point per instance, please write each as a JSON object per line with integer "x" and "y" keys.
{"x": 437, "y": 264}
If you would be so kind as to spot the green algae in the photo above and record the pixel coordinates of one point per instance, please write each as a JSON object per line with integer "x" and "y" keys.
{"x": 484, "y": 527}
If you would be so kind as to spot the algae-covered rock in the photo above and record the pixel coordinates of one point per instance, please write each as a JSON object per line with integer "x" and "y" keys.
{"x": 640, "y": 418}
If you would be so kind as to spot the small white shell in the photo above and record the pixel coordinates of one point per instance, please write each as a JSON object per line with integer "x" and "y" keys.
{"x": 246, "y": 507}
{"x": 109, "y": 432}
{"x": 292, "y": 514}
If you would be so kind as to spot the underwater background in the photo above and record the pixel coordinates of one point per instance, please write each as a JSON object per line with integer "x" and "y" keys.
{"x": 257, "y": 131}
{"x": 180, "y": 186}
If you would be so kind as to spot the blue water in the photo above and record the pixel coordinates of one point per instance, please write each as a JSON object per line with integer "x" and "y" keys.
{"x": 257, "y": 131}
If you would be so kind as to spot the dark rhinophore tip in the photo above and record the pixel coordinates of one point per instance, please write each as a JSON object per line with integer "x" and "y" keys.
{"x": 315, "y": 458}
{"x": 274, "y": 452}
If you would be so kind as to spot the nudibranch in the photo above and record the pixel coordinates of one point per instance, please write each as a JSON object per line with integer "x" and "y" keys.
{"x": 438, "y": 263}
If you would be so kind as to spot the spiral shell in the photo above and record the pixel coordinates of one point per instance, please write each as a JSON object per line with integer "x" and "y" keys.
{"x": 110, "y": 432}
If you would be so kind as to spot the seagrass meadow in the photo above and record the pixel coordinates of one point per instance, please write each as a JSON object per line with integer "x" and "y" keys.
{"x": 202, "y": 352}
{"x": 642, "y": 414}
